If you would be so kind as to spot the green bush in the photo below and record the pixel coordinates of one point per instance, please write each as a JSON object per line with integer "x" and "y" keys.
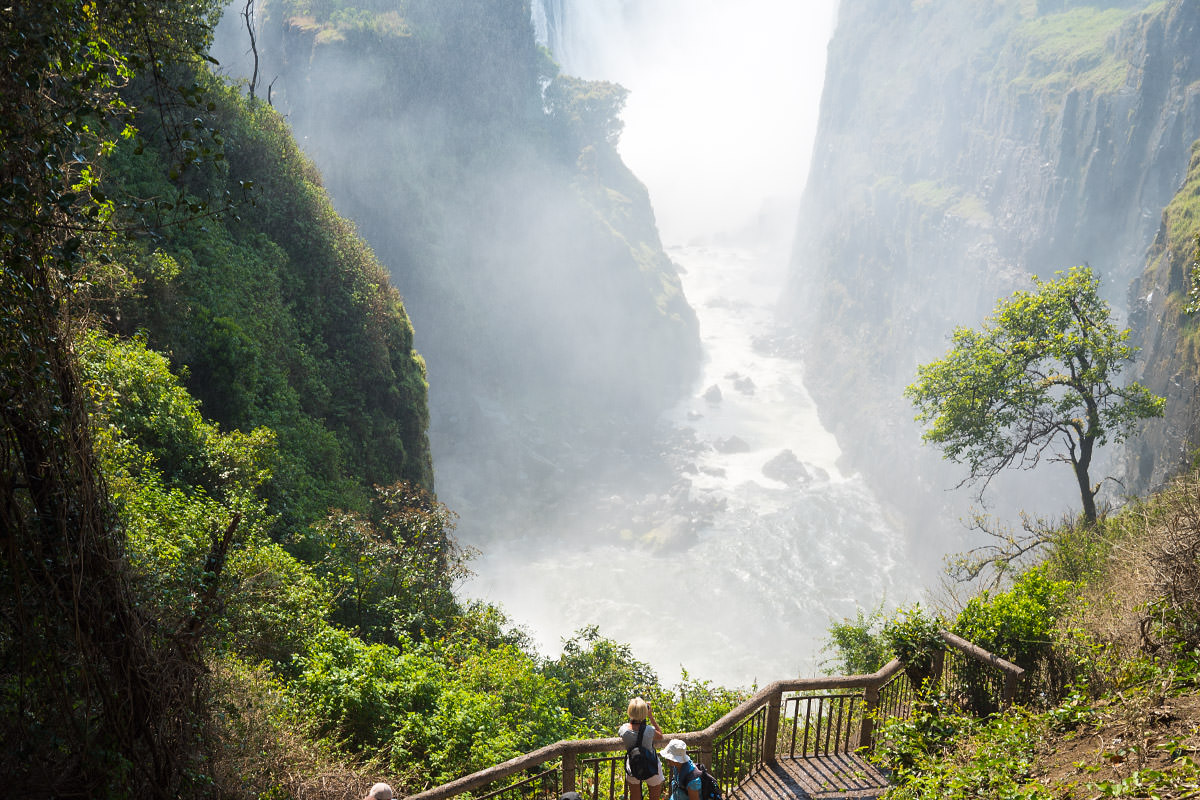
{"x": 1018, "y": 624}
{"x": 999, "y": 762}
{"x": 858, "y": 645}
{"x": 913, "y": 636}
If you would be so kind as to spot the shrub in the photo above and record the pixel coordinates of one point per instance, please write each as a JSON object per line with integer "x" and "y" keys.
{"x": 1020, "y": 625}
{"x": 858, "y": 645}
{"x": 912, "y": 636}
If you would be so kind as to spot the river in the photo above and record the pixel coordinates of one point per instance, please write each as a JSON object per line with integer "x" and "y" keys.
{"x": 747, "y": 596}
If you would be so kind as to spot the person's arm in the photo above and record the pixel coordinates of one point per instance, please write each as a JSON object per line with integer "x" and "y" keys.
{"x": 694, "y": 793}
{"x": 658, "y": 734}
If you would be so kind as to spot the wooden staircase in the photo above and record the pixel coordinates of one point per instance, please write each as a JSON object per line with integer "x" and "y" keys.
{"x": 796, "y": 739}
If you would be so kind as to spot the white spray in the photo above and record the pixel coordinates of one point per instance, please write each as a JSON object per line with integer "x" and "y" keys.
{"x": 719, "y": 125}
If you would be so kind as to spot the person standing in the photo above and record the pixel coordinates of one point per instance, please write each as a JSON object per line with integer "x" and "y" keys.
{"x": 685, "y": 778}
{"x": 641, "y": 731}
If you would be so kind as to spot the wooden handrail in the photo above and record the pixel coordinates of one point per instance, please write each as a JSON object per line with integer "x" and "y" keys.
{"x": 772, "y": 693}
{"x": 614, "y": 744}
{"x": 979, "y": 654}
{"x": 1012, "y": 673}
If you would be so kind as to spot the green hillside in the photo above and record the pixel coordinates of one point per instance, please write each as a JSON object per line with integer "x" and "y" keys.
{"x": 278, "y": 313}
{"x": 224, "y": 572}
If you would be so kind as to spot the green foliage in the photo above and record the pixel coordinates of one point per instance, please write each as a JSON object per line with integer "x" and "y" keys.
{"x": 1074, "y": 49}
{"x": 358, "y": 690}
{"x": 694, "y": 704}
{"x": 858, "y": 645}
{"x": 1038, "y": 376}
{"x": 280, "y": 314}
{"x": 590, "y": 110}
{"x": 1018, "y": 625}
{"x": 140, "y": 404}
{"x": 1181, "y": 780}
{"x": 98, "y": 696}
{"x": 606, "y": 676}
{"x": 912, "y": 747}
{"x": 177, "y": 481}
{"x": 395, "y": 572}
{"x": 912, "y": 635}
{"x": 996, "y": 759}
{"x": 1193, "y": 303}
{"x": 431, "y": 712}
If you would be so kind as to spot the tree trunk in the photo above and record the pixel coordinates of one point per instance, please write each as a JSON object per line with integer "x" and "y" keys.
{"x": 1086, "y": 493}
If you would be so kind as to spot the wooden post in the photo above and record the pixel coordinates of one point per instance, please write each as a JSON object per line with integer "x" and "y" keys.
{"x": 866, "y": 736}
{"x": 939, "y": 665}
{"x": 1010, "y": 688}
{"x": 774, "y": 703}
{"x": 568, "y": 772}
{"x": 706, "y": 753}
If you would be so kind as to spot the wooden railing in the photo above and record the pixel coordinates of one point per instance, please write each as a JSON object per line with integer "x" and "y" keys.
{"x": 801, "y": 718}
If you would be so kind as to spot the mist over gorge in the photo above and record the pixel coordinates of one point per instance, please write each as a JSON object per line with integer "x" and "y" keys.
{"x": 551, "y": 320}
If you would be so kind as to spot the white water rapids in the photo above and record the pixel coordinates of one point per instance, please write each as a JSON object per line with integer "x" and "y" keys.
{"x": 719, "y": 125}
{"x": 750, "y": 598}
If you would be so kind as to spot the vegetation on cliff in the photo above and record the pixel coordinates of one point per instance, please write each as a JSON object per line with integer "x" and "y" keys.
{"x": 1168, "y": 330}
{"x": 280, "y": 314}
{"x": 1105, "y": 621}
{"x": 224, "y": 572}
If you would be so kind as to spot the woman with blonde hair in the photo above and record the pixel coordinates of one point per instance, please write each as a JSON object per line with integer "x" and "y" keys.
{"x": 639, "y": 735}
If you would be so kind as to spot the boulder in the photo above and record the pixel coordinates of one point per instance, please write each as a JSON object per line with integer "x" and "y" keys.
{"x": 787, "y": 468}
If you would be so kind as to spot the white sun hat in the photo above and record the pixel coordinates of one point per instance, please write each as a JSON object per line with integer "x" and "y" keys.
{"x": 380, "y": 791}
{"x": 675, "y": 751}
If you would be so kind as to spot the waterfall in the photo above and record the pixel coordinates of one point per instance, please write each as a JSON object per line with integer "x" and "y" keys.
{"x": 765, "y": 539}
{"x": 723, "y": 101}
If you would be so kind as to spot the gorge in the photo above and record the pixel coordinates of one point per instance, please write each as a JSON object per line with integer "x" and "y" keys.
{"x": 443, "y": 373}
{"x": 960, "y": 148}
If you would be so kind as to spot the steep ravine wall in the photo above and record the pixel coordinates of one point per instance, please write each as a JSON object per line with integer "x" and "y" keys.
{"x": 964, "y": 145}
{"x": 553, "y": 324}
{"x": 1170, "y": 339}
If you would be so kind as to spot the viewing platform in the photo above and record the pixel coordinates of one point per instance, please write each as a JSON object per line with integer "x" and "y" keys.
{"x": 793, "y": 740}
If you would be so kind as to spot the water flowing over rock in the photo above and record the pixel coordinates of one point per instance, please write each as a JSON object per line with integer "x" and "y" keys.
{"x": 787, "y": 468}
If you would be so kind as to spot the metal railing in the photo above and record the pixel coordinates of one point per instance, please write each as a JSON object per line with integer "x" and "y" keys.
{"x": 792, "y": 719}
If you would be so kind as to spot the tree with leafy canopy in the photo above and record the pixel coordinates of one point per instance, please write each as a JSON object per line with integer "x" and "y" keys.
{"x": 591, "y": 110}
{"x": 98, "y": 697}
{"x": 1037, "y": 379}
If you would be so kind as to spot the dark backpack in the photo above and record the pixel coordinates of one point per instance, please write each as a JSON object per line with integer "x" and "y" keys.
{"x": 709, "y": 788}
{"x": 640, "y": 761}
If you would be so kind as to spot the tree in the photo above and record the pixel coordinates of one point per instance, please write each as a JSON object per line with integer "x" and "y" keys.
{"x": 591, "y": 110}
{"x": 1038, "y": 379}
{"x": 98, "y": 697}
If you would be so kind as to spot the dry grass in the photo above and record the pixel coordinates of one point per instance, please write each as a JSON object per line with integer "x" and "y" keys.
{"x": 261, "y": 751}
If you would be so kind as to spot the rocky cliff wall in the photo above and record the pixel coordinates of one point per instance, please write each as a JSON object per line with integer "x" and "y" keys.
{"x": 1169, "y": 334}
{"x": 553, "y": 324}
{"x": 964, "y": 145}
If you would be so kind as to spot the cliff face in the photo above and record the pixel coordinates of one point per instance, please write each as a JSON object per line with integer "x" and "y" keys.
{"x": 552, "y": 322}
{"x": 1170, "y": 337}
{"x": 962, "y": 146}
